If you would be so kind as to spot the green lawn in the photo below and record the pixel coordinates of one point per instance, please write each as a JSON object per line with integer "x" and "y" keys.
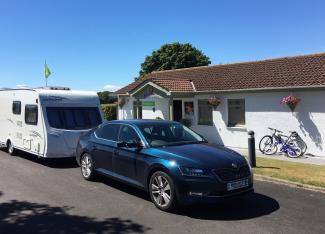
{"x": 292, "y": 171}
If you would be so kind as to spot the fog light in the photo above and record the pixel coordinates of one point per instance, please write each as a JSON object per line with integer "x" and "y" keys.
{"x": 195, "y": 194}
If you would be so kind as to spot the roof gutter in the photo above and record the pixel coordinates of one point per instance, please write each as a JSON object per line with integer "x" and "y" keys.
{"x": 243, "y": 90}
{"x": 254, "y": 89}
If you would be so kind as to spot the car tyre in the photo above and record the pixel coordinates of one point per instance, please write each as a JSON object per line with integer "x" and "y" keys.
{"x": 162, "y": 191}
{"x": 87, "y": 167}
{"x": 10, "y": 148}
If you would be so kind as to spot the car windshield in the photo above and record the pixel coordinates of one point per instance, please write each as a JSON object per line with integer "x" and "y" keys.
{"x": 168, "y": 133}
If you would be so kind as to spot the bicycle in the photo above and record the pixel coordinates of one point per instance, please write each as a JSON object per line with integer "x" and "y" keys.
{"x": 293, "y": 146}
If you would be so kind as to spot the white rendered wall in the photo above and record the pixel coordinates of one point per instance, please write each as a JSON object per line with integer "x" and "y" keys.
{"x": 126, "y": 112}
{"x": 161, "y": 109}
{"x": 263, "y": 110}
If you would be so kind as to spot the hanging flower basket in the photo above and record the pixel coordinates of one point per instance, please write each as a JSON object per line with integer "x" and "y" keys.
{"x": 121, "y": 102}
{"x": 214, "y": 101}
{"x": 291, "y": 101}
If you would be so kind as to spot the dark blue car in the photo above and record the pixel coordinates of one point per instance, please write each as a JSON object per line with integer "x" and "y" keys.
{"x": 170, "y": 161}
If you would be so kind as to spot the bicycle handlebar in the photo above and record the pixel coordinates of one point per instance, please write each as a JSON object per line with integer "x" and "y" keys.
{"x": 273, "y": 129}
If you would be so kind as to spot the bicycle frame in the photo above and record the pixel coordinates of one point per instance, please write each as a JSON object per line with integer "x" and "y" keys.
{"x": 285, "y": 148}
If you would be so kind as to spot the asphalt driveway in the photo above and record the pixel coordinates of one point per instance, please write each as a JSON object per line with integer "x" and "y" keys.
{"x": 41, "y": 196}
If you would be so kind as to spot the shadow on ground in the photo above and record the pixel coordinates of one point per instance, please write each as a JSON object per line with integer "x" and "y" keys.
{"x": 26, "y": 217}
{"x": 59, "y": 163}
{"x": 133, "y": 191}
{"x": 250, "y": 206}
{"x": 247, "y": 207}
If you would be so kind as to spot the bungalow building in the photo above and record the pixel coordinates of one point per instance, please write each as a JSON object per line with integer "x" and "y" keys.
{"x": 249, "y": 95}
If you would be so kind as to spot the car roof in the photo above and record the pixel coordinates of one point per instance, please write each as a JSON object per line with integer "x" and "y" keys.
{"x": 138, "y": 122}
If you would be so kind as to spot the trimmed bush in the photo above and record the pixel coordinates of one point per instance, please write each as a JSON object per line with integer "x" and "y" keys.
{"x": 110, "y": 111}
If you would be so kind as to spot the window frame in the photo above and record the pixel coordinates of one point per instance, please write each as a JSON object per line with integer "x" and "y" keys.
{"x": 13, "y": 109}
{"x": 198, "y": 113}
{"x": 229, "y": 123}
{"x": 26, "y": 112}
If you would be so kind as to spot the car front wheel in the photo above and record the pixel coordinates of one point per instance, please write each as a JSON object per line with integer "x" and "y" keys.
{"x": 162, "y": 191}
{"x": 87, "y": 167}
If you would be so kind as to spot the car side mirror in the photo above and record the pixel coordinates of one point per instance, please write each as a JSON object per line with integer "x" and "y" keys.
{"x": 131, "y": 144}
{"x": 135, "y": 144}
{"x": 121, "y": 144}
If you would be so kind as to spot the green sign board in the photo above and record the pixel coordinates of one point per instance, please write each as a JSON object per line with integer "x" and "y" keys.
{"x": 147, "y": 103}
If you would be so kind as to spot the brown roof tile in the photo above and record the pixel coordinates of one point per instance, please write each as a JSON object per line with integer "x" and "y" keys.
{"x": 299, "y": 71}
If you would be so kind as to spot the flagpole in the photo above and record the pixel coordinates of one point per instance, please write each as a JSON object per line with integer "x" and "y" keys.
{"x": 47, "y": 72}
{"x": 45, "y": 75}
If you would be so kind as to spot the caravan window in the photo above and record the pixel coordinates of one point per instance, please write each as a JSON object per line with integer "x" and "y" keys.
{"x": 16, "y": 107}
{"x": 73, "y": 118}
{"x": 31, "y": 114}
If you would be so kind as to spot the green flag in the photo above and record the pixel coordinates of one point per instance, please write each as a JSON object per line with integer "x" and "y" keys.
{"x": 47, "y": 71}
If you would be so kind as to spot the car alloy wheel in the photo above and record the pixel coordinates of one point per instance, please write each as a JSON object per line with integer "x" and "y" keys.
{"x": 87, "y": 167}
{"x": 162, "y": 191}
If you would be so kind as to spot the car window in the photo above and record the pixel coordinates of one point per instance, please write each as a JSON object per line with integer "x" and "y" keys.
{"x": 108, "y": 132}
{"x": 166, "y": 133}
{"x": 128, "y": 134}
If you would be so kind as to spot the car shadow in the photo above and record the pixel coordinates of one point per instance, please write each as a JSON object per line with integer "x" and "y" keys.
{"x": 129, "y": 189}
{"x": 247, "y": 207}
{"x": 23, "y": 216}
{"x": 59, "y": 163}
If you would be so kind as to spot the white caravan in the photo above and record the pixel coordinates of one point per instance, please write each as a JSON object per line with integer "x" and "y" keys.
{"x": 48, "y": 121}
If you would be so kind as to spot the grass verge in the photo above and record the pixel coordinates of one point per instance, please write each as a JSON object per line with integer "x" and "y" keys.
{"x": 291, "y": 171}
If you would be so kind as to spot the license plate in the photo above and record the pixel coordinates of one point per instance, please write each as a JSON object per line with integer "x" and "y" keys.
{"x": 237, "y": 184}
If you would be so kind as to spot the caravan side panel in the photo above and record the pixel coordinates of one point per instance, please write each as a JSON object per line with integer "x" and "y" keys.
{"x": 24, "y": 129}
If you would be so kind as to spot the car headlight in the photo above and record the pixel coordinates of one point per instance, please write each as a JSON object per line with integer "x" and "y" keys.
{"x": 198, "y": 172}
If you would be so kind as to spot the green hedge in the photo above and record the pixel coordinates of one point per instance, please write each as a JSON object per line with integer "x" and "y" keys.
{"x": 110, "y": 111}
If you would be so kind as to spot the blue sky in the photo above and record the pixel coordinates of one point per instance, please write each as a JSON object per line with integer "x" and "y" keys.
{"x": 89, "y": 44}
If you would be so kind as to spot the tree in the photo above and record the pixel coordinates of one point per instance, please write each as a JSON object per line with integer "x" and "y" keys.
{"x": 173, "y": 56}
{"x": 105, "y": 98}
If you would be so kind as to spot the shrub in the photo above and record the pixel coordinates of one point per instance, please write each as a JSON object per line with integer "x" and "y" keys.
{"x": 110, "y": 111}
{"x": 186, "y": 122}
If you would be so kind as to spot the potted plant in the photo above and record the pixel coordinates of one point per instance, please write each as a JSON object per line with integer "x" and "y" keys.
{"x": 214, "y": 101}
{"x": 291, "y": 101}
{"x": 121, "y": 102}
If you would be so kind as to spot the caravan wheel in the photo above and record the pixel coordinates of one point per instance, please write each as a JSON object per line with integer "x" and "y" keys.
{"x": 10, "y": 148}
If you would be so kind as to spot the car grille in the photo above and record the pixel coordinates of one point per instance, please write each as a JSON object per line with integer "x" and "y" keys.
{"x": 228, "y": 174}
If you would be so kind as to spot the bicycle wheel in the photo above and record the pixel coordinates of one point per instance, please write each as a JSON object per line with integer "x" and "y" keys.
{"x": 298, "y": 144}
{"x": 294, "y": 151}
{"x": 267, "y": 146}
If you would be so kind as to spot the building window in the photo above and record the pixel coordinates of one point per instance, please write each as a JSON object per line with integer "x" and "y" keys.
{"x": 16, "y": 107}
{"x": 31, "y": 114}
{"x": 137, "y": 110}
{"x": 189, "y": 108}
{"x": 236, "y": 112}
{"x": 205, "y": 113}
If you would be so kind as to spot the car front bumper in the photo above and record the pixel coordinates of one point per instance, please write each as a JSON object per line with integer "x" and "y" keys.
{"x": 208, "y": 190}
